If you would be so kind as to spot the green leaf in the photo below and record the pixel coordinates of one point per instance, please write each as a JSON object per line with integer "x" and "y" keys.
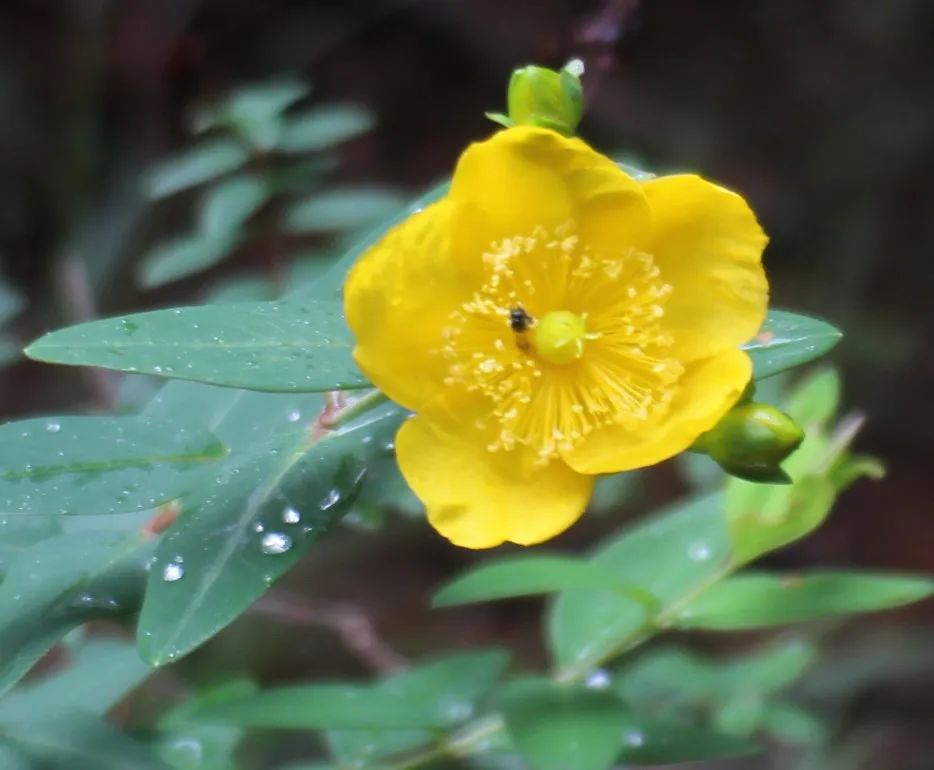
{"x": 60, "y": 583}
{"x": 815, "y": 400}
{"x": 345, "y": 208}
{"x": 18, "y": 533}
{"x": 99, "y": 673}
{"x": 252, "y": 104}
{"x": 242, "y": 288}
{"x": 183, "y": 257}
{"x": 228, "y": 205}
{"x": 323, "y": 127}
{"x": 787, "y": 340}
{"x": 246, "y": 526}
{"x": 673, "y": 555}
{"x": 530, "y": 575}
{"x": 760, "y": 600}
{"x": 96, "y": 465}
{"x": 558, "y": 727}
{"x": 287, "y": 346}
{"x": 196, "y": 166}
{"x": 657, "y": 742}
{"x": 793, "y": 724}
{"x": 77, "y": 741}
{"x": 437, "y": 695}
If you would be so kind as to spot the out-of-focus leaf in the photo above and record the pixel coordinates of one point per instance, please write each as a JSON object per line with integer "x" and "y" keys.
{"x": 11, "y": 302}
{"x": 787, "y": 340}
{"x": 99, "y": 675}
{"x": 77, "y": 741}
{"x": 323, "y": 127}
{"x": 346, "y": 208}
{"x": 95, "y": 465}
{"x": 530, "y": 575}
{"x": 251, "y": 104}
{"x": 228, "y": 205}
{"x": 246, "y": 526}
{"x": 674, "y": 555}
{"x": 60, "y": 583}
{"x": 185, "y": 256}
{"x": 359, "y": 748}
{"x": 815, "y": 399}
{"x": 287, "y": 346}
{"x": 195, "y": 166}
{"x": 757, "y": 600}
{"x": 656, "y": 742}
{"x": 242, "y": 288}
{"x": 558, "y": 727}
{"x": 615, "y": 491}
{"x": 437, "y": 695}
{"x": 793, "y": 724}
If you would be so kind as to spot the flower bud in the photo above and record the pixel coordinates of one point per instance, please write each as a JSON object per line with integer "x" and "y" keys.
{"x": 751, "y": 441}
{"x": 539, "y": 96}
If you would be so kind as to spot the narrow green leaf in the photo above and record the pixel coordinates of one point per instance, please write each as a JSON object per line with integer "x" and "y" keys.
{"x": 60, "y": 583}
{"x": 18, "y": 533}
{"x": 193, "y": 167}
{"x": 530, "y": 575}
{"x": 287, "y": 346}
{"x": 793, "y": 724}
{"x": 78, "y": 741}
{"x": 185, "y": 256}
{"x": 558, "y": 727}
{"x": 672, "y": 556}
{"x": 95, "y": 465}
{"x": 228, "y": 205}
{"x": 759, "y": 600}
{"x": 323, "y": 127}
{"x": 346, "y": 208}
{"x": 814, "y": 401}
{"x": 437, "y": 695}
{"x": 246, "y": 526}
{"x": 252, "y": 103}
{"x": 99, "y": 673}
{"x": 787, "y": 340}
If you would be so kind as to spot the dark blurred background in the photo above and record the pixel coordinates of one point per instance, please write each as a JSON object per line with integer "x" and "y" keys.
{"x": 821, "y": 113}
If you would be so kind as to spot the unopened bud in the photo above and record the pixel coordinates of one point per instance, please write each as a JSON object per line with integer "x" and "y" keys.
{"x": 539, "y": 96}
{"x": 751, "y": 442}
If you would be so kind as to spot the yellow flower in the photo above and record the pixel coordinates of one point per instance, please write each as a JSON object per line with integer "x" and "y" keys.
{"x": 551, "y": 319}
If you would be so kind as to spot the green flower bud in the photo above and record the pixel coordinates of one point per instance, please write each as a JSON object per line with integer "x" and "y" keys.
{"x": 539, "y": 96}
{"x": 751, "y": 442}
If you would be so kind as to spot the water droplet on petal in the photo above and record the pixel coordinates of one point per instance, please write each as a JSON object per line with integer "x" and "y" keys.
{"x": 274, "y": 543}
{"x": 53, "y": 427}
{"x": 290, "y": 515}
{"x": 172, "y": 572}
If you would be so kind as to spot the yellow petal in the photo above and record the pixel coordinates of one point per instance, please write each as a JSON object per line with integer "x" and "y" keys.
{"x": 527, "y": 177}
{"x": 398, "y": 299}
{"x": 477, "y": 498}
{"x": 705, "y": 393}
{"x": 708, "y": 245}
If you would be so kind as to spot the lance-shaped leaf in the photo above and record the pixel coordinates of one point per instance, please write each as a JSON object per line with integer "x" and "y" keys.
{"x": 60, "y": 583}
{"x": 197, "y": 165}
{"x": 245, "y": 527}
{"x": 756, "y": 599}
{"x": 92, "y": 465}
{"x": 787, "y": 340}
{"x": 290, "y": 346}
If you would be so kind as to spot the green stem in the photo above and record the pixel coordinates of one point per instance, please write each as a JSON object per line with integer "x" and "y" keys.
{"x": 357, "y": 407}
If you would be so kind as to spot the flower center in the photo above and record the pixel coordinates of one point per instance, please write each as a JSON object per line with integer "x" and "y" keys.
{"x": 559, "y": 337}
{"x": 561, "y": 341}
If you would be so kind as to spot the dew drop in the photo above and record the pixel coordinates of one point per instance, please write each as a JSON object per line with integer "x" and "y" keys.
{"x": 633, "y": 738}
{"x": 598, "y": 679}
{"x": 294, "y": 416}
{"x": 274, "y": 543}
{"x": 331, "y": 499}
{"x": 699, "y": 551}
{"x": 290, "y": 515}
{"x": 53, "y": 427}
{"x": 258, "y": 527}
{"x": 173, "y": 572}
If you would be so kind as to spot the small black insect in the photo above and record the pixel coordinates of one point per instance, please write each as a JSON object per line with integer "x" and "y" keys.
{"x": 519, "y": 320}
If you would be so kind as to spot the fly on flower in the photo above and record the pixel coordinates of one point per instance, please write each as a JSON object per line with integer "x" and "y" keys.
{"x": 552, "y": 319}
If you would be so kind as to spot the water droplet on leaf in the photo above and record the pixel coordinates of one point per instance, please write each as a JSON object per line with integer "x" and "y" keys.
{"x": 172, "y": 572}
{"x": 274, "y": 543}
